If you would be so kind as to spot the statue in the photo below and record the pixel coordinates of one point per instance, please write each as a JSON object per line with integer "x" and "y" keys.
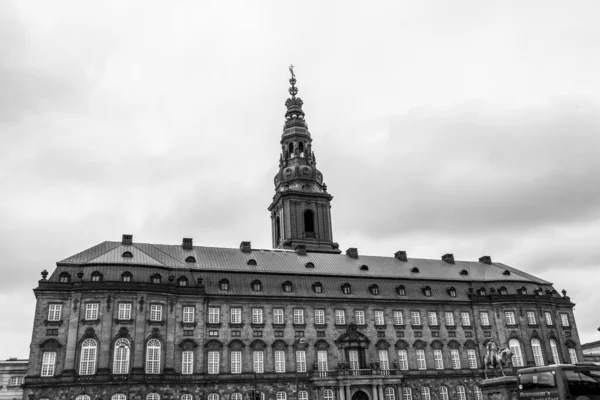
{"x": 292, "y": 71}
{"x": 495, "y": 358}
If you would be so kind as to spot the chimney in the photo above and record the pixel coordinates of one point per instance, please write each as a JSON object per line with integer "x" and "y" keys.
{"x": 401, "y": 255}
{"x": 449, "y": 258}
{"x": 246, "y": 247}
{"x": 352, "y": 252}
{"x": 127, "y": 240}
{"x": 301, "y": 249}
{"x": 485, "y": 260}
{"x": 187, "y": 244}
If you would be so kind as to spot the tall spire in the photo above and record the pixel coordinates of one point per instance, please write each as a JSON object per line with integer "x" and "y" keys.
{"x": 300, "y": 210}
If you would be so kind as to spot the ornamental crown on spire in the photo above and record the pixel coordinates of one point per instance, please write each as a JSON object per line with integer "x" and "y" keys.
{"x": 294, "y": 114}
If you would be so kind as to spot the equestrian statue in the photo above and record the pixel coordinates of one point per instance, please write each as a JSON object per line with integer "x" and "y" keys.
{"x": 496, "y": 358}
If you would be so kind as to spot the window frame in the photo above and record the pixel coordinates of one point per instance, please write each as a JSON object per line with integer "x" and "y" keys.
{"x": 340, "y": 315}
{"x": 188, "y": 314}
{"x": 54, "y": 311}
{"x": 278, "y": 316}
{"x": 235, "y": 315}
{"x": 319, "y": 316}
{"x": 92, "y": 311}
{"x": 124, "y": 311}
{"x": 214, "y": 315}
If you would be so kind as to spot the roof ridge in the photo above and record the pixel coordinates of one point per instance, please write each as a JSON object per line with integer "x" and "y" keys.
{"x": 91, "y": 258}
{"x": 159, "y": 249}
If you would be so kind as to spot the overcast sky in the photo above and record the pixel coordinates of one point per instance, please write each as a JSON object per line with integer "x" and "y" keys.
{"x": 465, "y": 127}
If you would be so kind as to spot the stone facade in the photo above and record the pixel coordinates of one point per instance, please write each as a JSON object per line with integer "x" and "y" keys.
{"x": 12, "y": 375}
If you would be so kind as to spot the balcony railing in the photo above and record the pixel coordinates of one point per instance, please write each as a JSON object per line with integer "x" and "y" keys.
{"x": 354, "y": 372}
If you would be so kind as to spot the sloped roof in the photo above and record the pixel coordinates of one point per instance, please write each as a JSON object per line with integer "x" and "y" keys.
{"x": 289, "y": 262}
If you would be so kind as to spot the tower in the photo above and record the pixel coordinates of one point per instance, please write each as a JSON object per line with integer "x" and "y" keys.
{"x": 301, "y": 206}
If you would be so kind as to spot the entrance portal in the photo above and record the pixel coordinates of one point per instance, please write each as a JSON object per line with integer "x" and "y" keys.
{"x": 360, "y": 395}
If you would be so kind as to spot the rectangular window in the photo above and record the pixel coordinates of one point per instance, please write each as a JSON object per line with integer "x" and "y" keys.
{"x": 438, "y": 359}
{"x": 188, "y": 314}
{"x": 415, "y": 318}
{"x": 322, "y": 360}
{"x": 421, "y": 359}
{"x": 353, "y": 359}
{"x": 258, "y": 362}
{"x": 298, "y": 316}
{"x": 124, "y": 311}
{"x": 398, "y": 320}
{"x": 278, "y": 316}
{"x": 187, "y": 362}
{"x": 359, "y": 316}
{"x": 213, "y": 333}
{"x": 432, "y": 318}
{"x": 531, "y": 318}
{"x": 213, "y": 315}
{"x": 383, "y": 360}
{"x": 379, "y": 320}
{"x": 235, "y": 315}
{"x": 156, "y": 312}
{"x": 485, "y": 318}
{"x": 300, "y": 361}
{"x": 510, "y": 317}
{"x": 257, "y": 315}
{"x": 455, "y": 357}
{"x": 188, "y": 332}
{"x": 213, "y": 362}
{"x": 48, "y": 362}
{"x": 91, "y": 311}
{"x": 236, "y": 362}
{"x": 466, "y": 318}
{"x": 573, "y": 355}
{"x": 319, "y": 317}
{"x": 54, "y": 312}
{"x": 257, "y": 333}
{"x": 548, "y": 316}
{"x": 450, "y": 318}
{"x": 402, "y": 360}
{"x": 472, "y": 358}
{"x": 340, "y": 317}
{"x": 564, "y": 319}
{"x": 279, "y": 361}
{"x": 239, "y": 333}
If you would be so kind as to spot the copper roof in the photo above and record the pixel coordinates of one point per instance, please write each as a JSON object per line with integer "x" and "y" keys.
{"x": 288, "y": 262}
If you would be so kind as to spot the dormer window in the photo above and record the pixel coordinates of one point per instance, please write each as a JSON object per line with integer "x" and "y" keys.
{"x": 224, "y": 285}
{"x": 155, "y": 278}
{"x": 506, "y": 272}
{"x": 346, "y": 288}
{"x": 190, "y": 259}
{"x": 317, "y": 287}
{"x": 503, "y": 291}
{"x": 287, "y": 287}
{"x": 451, "y": 292}
{"x": 309, "y": 265}
{"x": 427, "y": 291}
{"x": 401, "y": 290}
{"x": 126, "y": 276}
{"x": 464, "y": 272}
{"x": 64, "y": 277}
{"x": 415, "y": 270}
{"x": 481, "y": 292}
{"x": 364, "y": 268}
{"x": 251, "y": 262}
{"x": 374, "y": 289}
{"x": 96, "y": 276}
{"x": 182, "y": 281}
{"x": 256, "y": 286}
{"x": 127, "y": 254}
{"x": 522, "y": 290}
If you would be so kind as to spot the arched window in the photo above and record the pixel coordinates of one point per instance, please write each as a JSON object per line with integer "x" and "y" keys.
{"x": 309, "y": 265}
{"x": 224, "y": 285}
{"x": 303, "y": 395}
{"x": 277, "y": 230}
{"x": 291, "y": 148}
{"x": 301, "y": 147}
{"x": 155, "y": 278}
{"x": 121, "y": 357}
{"x": 389, "y": 393}
{"x": 287, "y": 286}
{"x": 452, "y": 292}
{"x": 537, "y": 352}
{"x": 517, "y": 358}
{"x": 190, "y": 259}
{"x": 327, "y": 394}
{"x": 374, "y": 289}
{"x": 96, "y": 276}
{"x": 346, "y": 288}
{"x": 64, "y": 277}
{"x": 236, "y": 396}
{"x": 425, "y": 393}
{"x": 554, "y": 348}
{"x": 153, "y": 396}
{"x": 401, "y": 290}
{"x": 503, "y": 291}
{"x": 188, "y": 396}
{"x": 406, "y": 393}
{"x": 118, "y": 396}
{"x": 478, "y": 394}
{"x": 127, "y": 254}
{"x": 126, "y": 276}
{"x": 281, "y": 396}
{"x": 183, "y": 281}
{"x": 251, "y": 262}
{"x": 213, "y": 396}
{"x": 87, "y": 361}
{"x": 461, "y": 393}
{"x": 427, "y": 292}
{"x": 153, "y": 357}
{"x": 82, "y": 397}
{"x": 317, "y": 287}
{"x": 256, "y": 286}
{"x": 443, "y": 393}
{"x": 309, "y": 223}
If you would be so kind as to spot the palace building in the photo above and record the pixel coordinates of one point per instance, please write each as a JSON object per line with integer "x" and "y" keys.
{"x": 302, "y": 321}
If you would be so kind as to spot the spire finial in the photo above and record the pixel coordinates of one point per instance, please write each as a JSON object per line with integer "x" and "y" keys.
{"x": 293, "y": 90}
